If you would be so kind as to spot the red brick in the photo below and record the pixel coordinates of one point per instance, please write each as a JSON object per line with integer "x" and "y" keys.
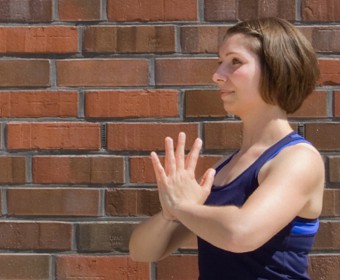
{"x": 152, "y": 10}
{"x": 203, "y": 103}
{"x": 70, "y": 136}
{"x": 325, "y": 39}
{"x": 202, "y": 39}
{"x": 25, "y": 266}
{"x": 324, "y": 267}
{"x": 42, "y": 39}
{"x": 320, "y": 10}
{"x": 325, "y": 136}
{"x": 132, "y": 104}
{"x": 334, "y": 169}
{"x": 147, "y": 136}
{"x": 328, "y": 237}
{"x": 336, "y": 98}
{"x": 222, "y": 135}
{"x": 12, "y": 170}
{"x": 25, "y": 10}
{"x": 100, "y": 267}
{"x": 104, "y": 237}
{"x": 141, "y": 170}
{"x": 184, "y": 267}
{"x": 132, "y": 202}
{"x": 53, "y": 202}
{"x": 26, "y": 104}
{"x": 35, "y": 236}
{"x": 249, "y": 9}
{"x": 79, "y": 10}
{"x": 129, "y": 39}
{"x": 185, "y": 71}
{"x": 106, "y": 72}
{"x": 220, "y": 10}
{"x": 78, "y": 170}
{"x": 331, "y": 203}
{"x": 24, "y": 72}
{"x": 330, "y": 71}
{"x": 315, "y": 106}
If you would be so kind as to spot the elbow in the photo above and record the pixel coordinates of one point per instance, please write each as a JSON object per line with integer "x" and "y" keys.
{"x": 241, "y": 240}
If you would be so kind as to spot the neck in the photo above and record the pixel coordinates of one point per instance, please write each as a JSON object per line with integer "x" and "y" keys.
{"x": 264, "y": 129}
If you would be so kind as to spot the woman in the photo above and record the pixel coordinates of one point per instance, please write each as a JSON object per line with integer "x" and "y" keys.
{"x": 256, "y": 213}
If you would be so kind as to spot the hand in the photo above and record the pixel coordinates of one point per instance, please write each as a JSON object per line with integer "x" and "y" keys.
{"x": 176, "y": 181}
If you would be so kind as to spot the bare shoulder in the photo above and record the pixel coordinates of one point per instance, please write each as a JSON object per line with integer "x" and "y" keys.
{"x": 299, "y": 160}
{"x": 299, "y": 171}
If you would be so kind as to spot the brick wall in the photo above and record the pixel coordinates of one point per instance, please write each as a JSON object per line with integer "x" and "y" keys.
{"x": 89, "y": 87}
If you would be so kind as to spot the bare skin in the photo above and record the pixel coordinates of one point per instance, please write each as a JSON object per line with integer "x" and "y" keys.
{"x": 287, "y": 187}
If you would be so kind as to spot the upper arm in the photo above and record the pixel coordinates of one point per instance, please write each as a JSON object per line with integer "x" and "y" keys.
{"x": 289, "y": 184}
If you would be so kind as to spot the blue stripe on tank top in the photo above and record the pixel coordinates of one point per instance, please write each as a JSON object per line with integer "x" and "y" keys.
{"x": 305, "y": 227}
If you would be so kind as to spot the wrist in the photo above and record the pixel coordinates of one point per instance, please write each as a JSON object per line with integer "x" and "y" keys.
{"x": 168, "y": 219}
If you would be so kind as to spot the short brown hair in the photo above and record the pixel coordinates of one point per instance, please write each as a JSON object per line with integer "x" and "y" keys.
{"x": 288, "y": 61}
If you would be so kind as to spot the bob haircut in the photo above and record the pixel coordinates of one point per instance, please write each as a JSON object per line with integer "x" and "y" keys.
{"x": 288, "y": 61}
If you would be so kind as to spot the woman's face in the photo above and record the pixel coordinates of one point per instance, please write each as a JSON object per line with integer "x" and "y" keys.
{"x": 238, "y": 75}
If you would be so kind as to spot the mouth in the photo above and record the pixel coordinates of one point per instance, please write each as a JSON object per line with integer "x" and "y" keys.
{"x": 226, "y": 92}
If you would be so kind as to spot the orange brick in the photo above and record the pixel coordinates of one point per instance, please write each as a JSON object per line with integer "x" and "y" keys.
{"x": 70, "y": 136}
{"x": 100, "y": 267}
{"x": 325, "y": 136}
{"x": 331, "y": 203}
{"x": 329, "y": 69}
{"x": 55, "y": 202}
{"x": 152, "y": 10}
{"x": 321, "y": 10}
{"x": 104, "y": 236}
{"x": 315, "y": 106}
{"x": 222, "y": 135}
{"x": 132, "y": 202}
{"x": 220, "y": 10}
{"x": 25, "y": 104}
{"x": 203, "y": 103}
{"x": 249, "y": 9}
{"x": 24, "y": 73}
{"x": 42, "y": 39}
{"x": 129, "y": 39}
{"x": 328, "y": 237}
{"x": 78, "y": 170}
{"x": 336, "y": 98}
{"x": 12, "y": 170}
{"x": 184, "y": 267}
{"x": 131, "y": 104}
{"x": 334, "y": 169}
{"x": 25, "y": 266}
{"x": 147, "y": 136}
{"x": 185, "y": 71}
{"x": 79, "y": 10}
{"x": 202, "y": 39}
{"x": 106, "y": 72}
{"x": 324, "y": 266}
{"x": 26, "y": 11}
{"x": 35, "y": 236}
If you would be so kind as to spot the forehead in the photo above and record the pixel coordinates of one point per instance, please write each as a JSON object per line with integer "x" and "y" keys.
{"x": 236, "y": 43}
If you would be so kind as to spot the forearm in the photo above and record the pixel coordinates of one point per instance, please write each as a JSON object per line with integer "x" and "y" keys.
{"x": 151, "y": 240}
{"x": 218, "y": 225}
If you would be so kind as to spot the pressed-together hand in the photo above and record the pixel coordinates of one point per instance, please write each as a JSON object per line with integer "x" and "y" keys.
{"x": 176, "y": 181}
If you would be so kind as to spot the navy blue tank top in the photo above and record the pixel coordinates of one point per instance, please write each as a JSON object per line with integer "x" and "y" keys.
{"x": 284, "y": 256}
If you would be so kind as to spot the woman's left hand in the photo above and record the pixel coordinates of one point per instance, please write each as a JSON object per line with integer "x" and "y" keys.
{"x": 176, "y": 181}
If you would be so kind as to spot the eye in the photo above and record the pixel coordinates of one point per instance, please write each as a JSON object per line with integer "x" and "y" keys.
{"x": 235, "y": 61}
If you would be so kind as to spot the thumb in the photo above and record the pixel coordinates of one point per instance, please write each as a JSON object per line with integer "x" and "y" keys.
{"x": 208, "y": 178}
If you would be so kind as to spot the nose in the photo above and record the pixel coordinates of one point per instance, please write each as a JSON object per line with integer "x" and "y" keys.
{"x": 219, "y": 76}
